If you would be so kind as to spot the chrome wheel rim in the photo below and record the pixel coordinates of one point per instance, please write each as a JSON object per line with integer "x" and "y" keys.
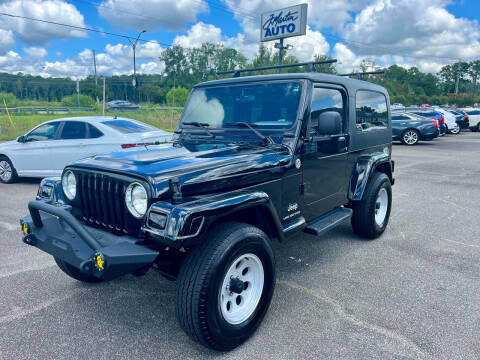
{"x": 381, "y": 207}
{"x": 241, "y": 289}
{"x": 410, "y": 137}
{"x": 456, "y": 130}
{"x": 5, "y": 171}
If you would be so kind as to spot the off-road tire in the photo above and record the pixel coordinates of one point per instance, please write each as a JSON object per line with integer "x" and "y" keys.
{"x": 14, "y": 176}
{"x": 75, "y": 273}
{"x": 201, "y": 278}
{"x": 363, "y": 218}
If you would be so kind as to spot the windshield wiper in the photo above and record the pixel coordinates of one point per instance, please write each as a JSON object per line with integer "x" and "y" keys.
{"x": 200, "y": 125}
{"x": 265, "y": 139}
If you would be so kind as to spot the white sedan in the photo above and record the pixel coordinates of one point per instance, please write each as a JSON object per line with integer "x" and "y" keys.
{"x": 49, "y": 147}
{"x": 450, "y": 120}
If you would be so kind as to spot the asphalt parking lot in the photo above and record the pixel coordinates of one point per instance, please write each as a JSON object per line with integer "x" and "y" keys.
{"x": 412, "y": 294}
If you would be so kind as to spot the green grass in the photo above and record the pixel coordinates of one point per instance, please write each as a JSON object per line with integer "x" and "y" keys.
{"x": 22, "y": 123}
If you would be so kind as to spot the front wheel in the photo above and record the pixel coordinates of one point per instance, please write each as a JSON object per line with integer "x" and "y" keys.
{"x": 410, "y": 137}
{"x": 455, "y": 130}
{"x": 371, "y": 214}
{"x": 225, "y": 286}
{"x": 8, "y": 173}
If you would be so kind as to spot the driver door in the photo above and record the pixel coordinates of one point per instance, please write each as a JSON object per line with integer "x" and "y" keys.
{"x": 325, "y": 155}
{"x": 34, "y": 157}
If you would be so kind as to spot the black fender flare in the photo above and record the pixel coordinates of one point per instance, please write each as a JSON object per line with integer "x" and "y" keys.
{"x": 186, "y": 222}
{"x": 364, "y": 168}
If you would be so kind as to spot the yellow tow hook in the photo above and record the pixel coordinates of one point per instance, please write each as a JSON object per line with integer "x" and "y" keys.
{"x": 99, "y": 262}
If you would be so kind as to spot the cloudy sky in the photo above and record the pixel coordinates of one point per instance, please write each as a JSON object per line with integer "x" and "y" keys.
{"x": 423, "y": 33}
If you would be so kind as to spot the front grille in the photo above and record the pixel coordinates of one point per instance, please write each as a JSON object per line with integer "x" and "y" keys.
{"x": 101, "y": 202}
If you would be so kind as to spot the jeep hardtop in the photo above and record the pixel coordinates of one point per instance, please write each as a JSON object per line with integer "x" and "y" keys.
{"x": 254, "y": 159}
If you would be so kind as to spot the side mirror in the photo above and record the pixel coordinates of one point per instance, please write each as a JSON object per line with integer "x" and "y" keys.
{"x": 330, "y": 123}
{"x": 21, "y": 139}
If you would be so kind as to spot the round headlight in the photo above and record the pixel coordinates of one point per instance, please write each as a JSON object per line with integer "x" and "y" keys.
{"x": 136, "y": 199}
{"x": 69, "y": 185}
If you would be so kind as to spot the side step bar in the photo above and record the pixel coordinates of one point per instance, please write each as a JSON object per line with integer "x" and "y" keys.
{"x": 328, "y": 221}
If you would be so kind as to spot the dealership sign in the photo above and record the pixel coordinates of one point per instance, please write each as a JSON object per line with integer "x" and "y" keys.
{"x": 291, "y": 21}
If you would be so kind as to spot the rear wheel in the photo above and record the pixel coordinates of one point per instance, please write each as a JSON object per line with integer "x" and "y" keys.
{"x": 225, "y": 286}
{"x": 8, "y": 174}
{"x": 371, "y": 214}
{"x": 410, "y": 137}
{"x": 75, "y": 273}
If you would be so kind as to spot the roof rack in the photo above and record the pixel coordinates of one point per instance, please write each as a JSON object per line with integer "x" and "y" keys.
{"x": 360, "y": 75}
{"x": 311, "y": 66}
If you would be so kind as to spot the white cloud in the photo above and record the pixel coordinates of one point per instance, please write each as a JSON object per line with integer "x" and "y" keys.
{"x": 333, "y": 13}
{"x": 34, "y": 32}
{"x": 304, "y": 47}
{"x": 198, "y": 34}
{"x": 35, "y": 52}
{"x": 6, "y": 40}
{"x": 413, "y": 28}
{"x": 149, "y": 50}
{"x": 151, "y": 15}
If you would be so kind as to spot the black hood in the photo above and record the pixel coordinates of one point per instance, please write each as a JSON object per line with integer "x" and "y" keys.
{"x": 198, "y": 168}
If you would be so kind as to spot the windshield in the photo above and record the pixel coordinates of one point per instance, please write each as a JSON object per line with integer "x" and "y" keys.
{"x": 272, "y": 105}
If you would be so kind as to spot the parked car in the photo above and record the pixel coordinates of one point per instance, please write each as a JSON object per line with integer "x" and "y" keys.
{"x": 473, "y": 118}
{"x": 249, "y": 165}
{"x": 450, "y": 120}
{"x": 410, "y": 128}
{"x": 121, "y": 105}
{"x": 429, "y": 114}
{"x": 49, "y": 147}
{"x": 461, "y": 117}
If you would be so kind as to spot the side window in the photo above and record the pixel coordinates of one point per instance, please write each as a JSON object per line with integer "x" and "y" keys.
{"x": 93, "y": 132}
{"x": 399, "y": 117}
{"x": 324, "y": 99}
{"x": 44, "y": 132}
{"x": 371, "y": 110}
{"x": 74, "y": 130}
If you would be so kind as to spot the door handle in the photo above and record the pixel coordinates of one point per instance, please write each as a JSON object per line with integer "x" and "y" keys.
{"x": 342, "y": 143}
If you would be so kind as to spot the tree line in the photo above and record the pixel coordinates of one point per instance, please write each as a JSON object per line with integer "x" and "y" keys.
{"x": 456, "y": 83}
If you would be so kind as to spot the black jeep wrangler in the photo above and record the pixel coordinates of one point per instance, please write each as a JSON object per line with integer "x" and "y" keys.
{"x": 254, "y": 159}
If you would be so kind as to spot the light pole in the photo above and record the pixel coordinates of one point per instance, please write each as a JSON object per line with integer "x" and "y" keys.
{"x": 281, "y": 47}
{"x": 134, "y": 47}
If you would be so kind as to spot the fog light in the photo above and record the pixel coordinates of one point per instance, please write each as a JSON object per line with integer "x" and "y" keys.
{"x": 99, "y": 262}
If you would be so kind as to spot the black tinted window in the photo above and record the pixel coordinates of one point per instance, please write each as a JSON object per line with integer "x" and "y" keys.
{"x": 44, "y": 132}
{"x": 371, "y": 110}
{"x": 74, "y": 130}
{"x": 474, "y": 112}
{"x": 325, "y": 100}
{"x": 93, "y": 132}
{"x": 400, "y": 117}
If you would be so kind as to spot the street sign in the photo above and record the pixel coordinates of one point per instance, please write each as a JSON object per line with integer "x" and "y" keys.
{"x": 283, "y": 23}
{"x": 134, "y": 82}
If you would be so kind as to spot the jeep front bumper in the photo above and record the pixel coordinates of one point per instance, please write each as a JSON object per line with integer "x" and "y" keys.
{"x": 56, "y": 231}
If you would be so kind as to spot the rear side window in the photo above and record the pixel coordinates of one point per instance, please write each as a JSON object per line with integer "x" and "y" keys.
{"x": 93, "y": 132}
{"x": 400, "y": 117}
{"x": 371, "y": 110}
{"x": 128, "y": 127}
{"x": 74, "y": 130}
{"x": 44, "y": 132}
{"x": 474, "y": 112}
